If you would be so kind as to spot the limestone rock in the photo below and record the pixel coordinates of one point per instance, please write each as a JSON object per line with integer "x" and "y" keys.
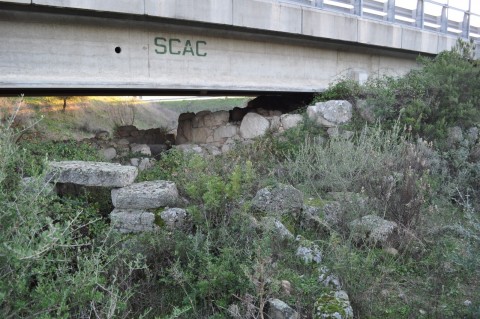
{"x": 216, "y": 118}
{"x": 145, "y": 163}
{"x": 290, "y": 120}
{"x": 102, "y": 135}
{"x": 174, "y": 218}
{"x": 253, "y": 125}
{"x": 309, "y": 253}
{"x": 330, "y": 113}
{"x": 329, "y": 280}
{"x": 191, "y": 148}
{"x": 333, "y": 213}
{"x": 278, "y": 200}
{"x": 200, "y": 135}
{"x": 278, "y": 309}
{"x": 91, "y": 173}
{"x": 373, "y": 230}
{"x": 143, "y": 149}
{"x": 146, "y": 195}
{"x": 225, "y": 132}
{"x": 275, "y": 225}
{"x": 132, "y": 220}
{"x": 334, "y": 305}
{"x": 108, "y": 153}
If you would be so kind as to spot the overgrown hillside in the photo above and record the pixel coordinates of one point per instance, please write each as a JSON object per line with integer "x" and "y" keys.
{"x": 381, "y": 223}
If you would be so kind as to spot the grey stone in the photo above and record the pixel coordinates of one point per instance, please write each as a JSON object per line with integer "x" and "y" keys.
{"x": 102, "y": 135}
{"x": 278, "y": 309}
{"x": 278, "y": 200}
{"x": 146, "y": 195}
{"x": 333, "y": 213}
{"x": 134, "y": 161}
{"x": 212, "y": 150}
{"x": 330, "y": 113}
{"x": 216, "y": 118}
{"x": 132, "y": 220}
{"x": 227, "y": 131}
{"x": 143, "y": 149}
{"x": 145, "y": 163}
{"x": 123, "y": 142}
{"x": 275, "y": 225}
{"x": 333, "y": 304}
{"x": 200, "y": 135}
{"x": 253, "y": 125}
{"x": 327, "y": 279}
{"x": 229, "y": 145}
{"x": 91, "y": 173}
{"x": 191, "y": 148}
{"x": 174, "y": 217}
{"x": 291, "y": 120}
{"x": 108, "y": 153}
{"x": 275, "y": 123}
{"x": 309, "y": 253}
{"x": 373, "y": 230}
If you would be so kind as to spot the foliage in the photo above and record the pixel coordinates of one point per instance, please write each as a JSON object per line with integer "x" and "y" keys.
{"x": 343, "y": 89}
{"x": 35, "y": 153}
{"x": 438, "y": 95}
{"x": 53, "y": 257}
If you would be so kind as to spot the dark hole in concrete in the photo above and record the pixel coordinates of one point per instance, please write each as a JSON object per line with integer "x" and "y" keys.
{"x": 118, "y": 49}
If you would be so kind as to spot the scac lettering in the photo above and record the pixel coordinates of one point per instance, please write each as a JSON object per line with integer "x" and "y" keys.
{"x": 178, "y": 47}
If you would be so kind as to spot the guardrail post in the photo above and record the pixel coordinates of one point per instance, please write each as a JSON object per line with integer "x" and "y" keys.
{"x": 391, "y": 10}
{"x": 444, "y": 20}
{"x": 420, "y": 18}
{"x": 358, "y": 6}
{"x": 466, "y": 25}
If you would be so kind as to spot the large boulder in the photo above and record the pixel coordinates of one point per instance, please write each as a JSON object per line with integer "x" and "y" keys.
{"x": 330, "y": 113}
{"x": 373, "y": 230}
{"x": 146, "y": 195}
{"x": 278, "y": 200}
{"x": 132, "y": 220}
{"x": 278, "y": 309}
{"x": 91, "y": 173}
{"x": 253, "y": 125}
{"x": 290, "y": 120}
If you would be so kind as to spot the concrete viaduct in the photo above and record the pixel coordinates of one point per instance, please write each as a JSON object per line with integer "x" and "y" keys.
{"x": 153, "y": 47}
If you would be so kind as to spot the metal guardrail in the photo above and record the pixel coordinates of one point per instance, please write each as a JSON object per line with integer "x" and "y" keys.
{"x": 432, "y": 15}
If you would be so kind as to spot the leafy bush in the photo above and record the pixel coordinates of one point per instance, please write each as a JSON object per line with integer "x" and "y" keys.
{"x": 35, "y": 154}
{"x": 53, "y": 259}
{"x": 429, "y": 100}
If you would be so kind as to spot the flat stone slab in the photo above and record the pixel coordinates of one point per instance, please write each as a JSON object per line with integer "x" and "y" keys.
{"x": 146, "y": 195}
{"x": 91, "y": 173}
{"x": 132, "y": 221}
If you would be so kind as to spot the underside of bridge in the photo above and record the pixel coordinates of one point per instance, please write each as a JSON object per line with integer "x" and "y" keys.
{"x": 52, "y": 51}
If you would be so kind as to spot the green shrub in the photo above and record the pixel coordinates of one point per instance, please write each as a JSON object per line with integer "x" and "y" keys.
{"x": 35, "y": 154}
{"x": 441, "y": 94}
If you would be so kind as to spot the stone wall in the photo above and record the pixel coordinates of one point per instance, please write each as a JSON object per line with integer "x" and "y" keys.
{"x": 217, "y": 132}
